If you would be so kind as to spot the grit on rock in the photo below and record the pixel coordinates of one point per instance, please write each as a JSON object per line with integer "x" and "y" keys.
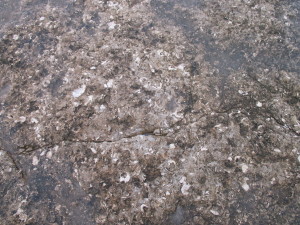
{"x": 149, "y": 112}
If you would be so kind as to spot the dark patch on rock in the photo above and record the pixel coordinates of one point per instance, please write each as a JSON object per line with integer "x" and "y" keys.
{"x": 54, "y": 86}
{"x": 178, "y": 217}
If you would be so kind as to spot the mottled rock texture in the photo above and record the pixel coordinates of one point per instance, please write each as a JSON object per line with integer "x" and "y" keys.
{"x": 149, "y": 112}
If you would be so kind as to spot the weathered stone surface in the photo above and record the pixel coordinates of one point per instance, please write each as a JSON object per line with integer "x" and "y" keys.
{"x": 149, "y": 112}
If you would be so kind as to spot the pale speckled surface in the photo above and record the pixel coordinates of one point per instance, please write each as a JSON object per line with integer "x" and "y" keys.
{"x": 149, "y": 112}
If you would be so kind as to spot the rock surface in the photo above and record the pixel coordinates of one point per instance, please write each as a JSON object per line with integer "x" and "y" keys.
{"x": 149, "y": 112}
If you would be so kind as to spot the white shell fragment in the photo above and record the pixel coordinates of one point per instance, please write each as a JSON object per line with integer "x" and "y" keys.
{"x": 79, "y": 91}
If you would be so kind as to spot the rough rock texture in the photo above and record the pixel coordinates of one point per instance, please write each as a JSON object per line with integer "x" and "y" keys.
{"x": 149, "y": 112}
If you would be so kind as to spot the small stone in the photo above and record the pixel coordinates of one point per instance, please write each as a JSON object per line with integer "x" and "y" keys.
{"x": 21, "y": 214}
{"x": 49, "y": 155}
{"x": 157, "y": 132}
{"x": 22, "y": 119}
{"x": 34, "y": 120}
{"x": 111, "y": 25}
{"x": 184, "y": 189}
{"x": 181, "y": 67}
{"x": 16, "y": 37}
{"x": 182, "y": 180}
{"x": 259, "y": 104}
{"x": 185, "y": 186}
{"x": 203, "y": 149}
{"x": 245, "y": 186}
{"x": 244, "y": 168}
{"x": 172, "y": 146}
{"x": 216, "y": 213}
{"x": 109, "y": 84}
{"x": 143, "y": 207}
{"x": 277, "y": 150}
{"x": 79, "y": 91}
{"x": 125, "y": 178}
{"x": 242, "y": 92}
{"x": 35, "y": 161}
{"x": 102, "y": 108}
{"x": 93, "y": 150}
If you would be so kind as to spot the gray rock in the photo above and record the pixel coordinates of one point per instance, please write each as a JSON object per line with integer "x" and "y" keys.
{"x": 149, "y": 112}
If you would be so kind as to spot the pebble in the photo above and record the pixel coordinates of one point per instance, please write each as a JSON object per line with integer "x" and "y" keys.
{"x": 79, "y": 91}
{"x": 259, "y": 104}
